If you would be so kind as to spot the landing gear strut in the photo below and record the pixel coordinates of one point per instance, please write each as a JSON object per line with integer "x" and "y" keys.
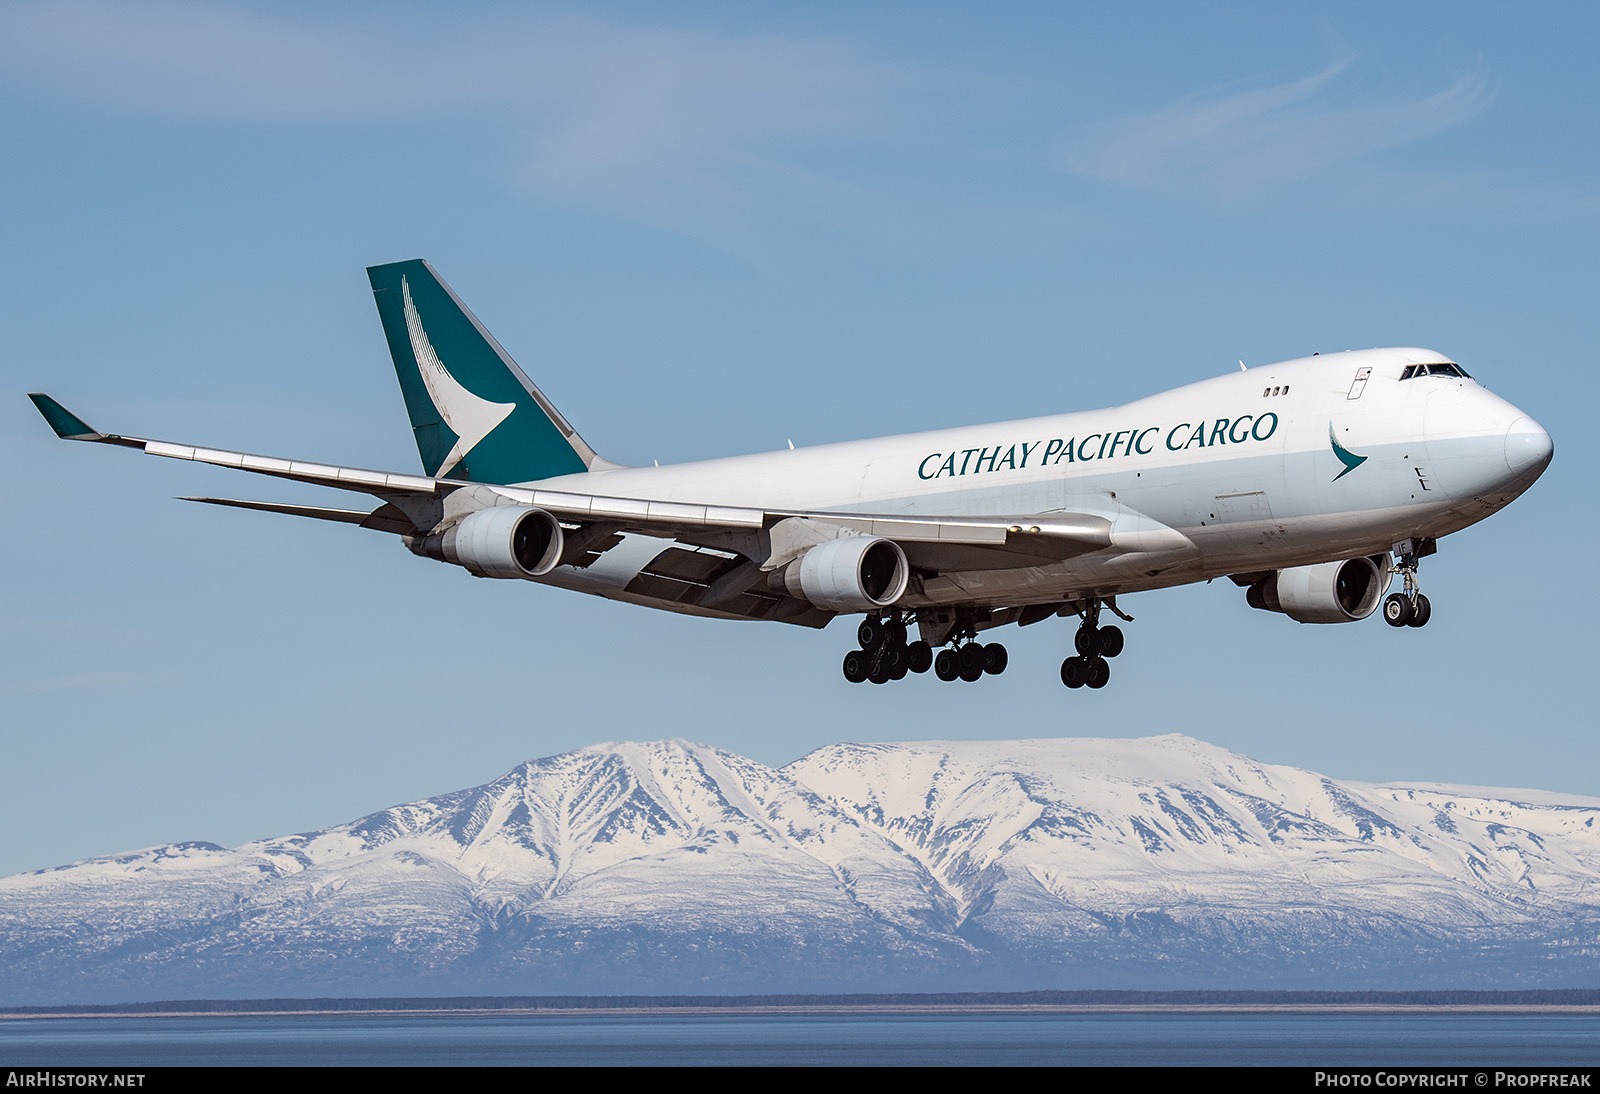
{"x": 884, "y": 654}
{"x": 1410, "y": 608}
{"x": 1094, "y": 644}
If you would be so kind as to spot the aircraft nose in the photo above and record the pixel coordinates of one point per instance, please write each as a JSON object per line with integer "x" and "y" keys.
{"x": 1528, "y": 446}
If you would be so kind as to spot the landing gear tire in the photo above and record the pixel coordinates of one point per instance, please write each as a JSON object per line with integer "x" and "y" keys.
{"x": 898, "y": 662}
{"x": 1421, "y": 611}
{"x": 995, "y": 659}
{"x": 879, "y": 673}
{"x": 970, "y": 657}
{"x": 1111, "y": 641}
{"x": 1075, "y": 672}
{"x": 855, "y": 666}
{"x": 1094, "y": 644}
{"x": 945, "y": 666}
{"x": 1090, "y": 641}
{"x": 919, "y": 657}
{"x": 1397, "y": 610}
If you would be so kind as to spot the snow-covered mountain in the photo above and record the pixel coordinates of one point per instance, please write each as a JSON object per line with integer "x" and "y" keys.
{"x": 674, "y": 867}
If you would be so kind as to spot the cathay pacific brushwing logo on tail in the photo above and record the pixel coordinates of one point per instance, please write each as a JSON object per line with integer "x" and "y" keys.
{"x": 469, "y": 417}
{"x": 1350, "y": 460}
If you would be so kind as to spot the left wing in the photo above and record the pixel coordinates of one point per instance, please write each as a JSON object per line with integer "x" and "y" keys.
{"x": 1043, "y": 535}
{"x": 417, "y": 504}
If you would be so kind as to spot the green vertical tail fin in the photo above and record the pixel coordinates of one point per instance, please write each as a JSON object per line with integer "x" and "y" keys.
{"x": 475, "y": 414}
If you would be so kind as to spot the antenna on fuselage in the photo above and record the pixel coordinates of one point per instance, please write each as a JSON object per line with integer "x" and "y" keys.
{"x": 1241, "y": 367}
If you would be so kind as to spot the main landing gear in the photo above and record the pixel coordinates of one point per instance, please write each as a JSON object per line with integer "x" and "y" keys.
{"x": 970, "y": 660}
{"x": 886, "y": 655}
{"x": 1410, "y": 608}
{"x": 1095, "y": 644}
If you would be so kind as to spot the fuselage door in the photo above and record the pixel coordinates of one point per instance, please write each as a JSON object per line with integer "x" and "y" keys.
{"x": 1247, "y": 519}
{"x": 1359, "y": 384}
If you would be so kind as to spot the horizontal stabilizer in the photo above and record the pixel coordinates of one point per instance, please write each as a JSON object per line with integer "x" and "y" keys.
{"x": 348, "y": 516}
{"x": 384, "y": 519}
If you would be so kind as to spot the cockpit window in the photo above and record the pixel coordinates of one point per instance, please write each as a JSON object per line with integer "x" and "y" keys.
{"x": 1413, "y": 371}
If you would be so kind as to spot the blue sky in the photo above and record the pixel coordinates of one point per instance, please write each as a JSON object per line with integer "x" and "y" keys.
{"x": 707, "y": 230}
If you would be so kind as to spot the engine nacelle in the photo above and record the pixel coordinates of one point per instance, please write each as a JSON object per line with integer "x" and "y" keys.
{"x": 504, "y": 541}
{"x": 853, "y": 574}
{"x": 1329, "y": 592}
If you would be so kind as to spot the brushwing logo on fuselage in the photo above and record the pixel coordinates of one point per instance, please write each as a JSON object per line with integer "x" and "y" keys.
{"x": 469, "y": 417}
{"x": 1350, "y": 460}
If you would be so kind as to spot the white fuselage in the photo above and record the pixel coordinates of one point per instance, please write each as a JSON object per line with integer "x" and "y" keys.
{"x": 1236, "y": 473}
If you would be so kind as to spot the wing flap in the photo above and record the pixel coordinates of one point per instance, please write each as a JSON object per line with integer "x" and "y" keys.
{"x": 696, "y": 567}
{"x": 1052, "y": 536}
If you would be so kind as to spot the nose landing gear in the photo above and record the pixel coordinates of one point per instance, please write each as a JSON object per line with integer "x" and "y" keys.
{"x": 1410, "y": 608}
{"x": 1094, "y": 644}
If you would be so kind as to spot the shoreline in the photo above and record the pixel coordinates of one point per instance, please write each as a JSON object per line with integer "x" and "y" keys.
{"x": 806, "y": 1010}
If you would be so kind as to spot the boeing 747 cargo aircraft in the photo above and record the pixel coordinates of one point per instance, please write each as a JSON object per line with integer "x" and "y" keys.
{"x": 1309, "y": 483}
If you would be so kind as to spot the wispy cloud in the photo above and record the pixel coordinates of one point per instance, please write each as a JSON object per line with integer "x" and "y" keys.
{"x": 87, "y": 681}
{"x": 650, "y": 122}
{"x": 175, "y": 59}
{"x": 1230, "y": 146}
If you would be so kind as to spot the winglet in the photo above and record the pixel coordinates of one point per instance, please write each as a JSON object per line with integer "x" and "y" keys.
{"x": 67, "y": 425}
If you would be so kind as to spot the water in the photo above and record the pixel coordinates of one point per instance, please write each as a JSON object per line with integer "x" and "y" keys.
{"x": 866, "y": 1038}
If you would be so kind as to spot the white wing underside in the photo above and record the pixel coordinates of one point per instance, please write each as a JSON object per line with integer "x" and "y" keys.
{"x": 469, "y": 417}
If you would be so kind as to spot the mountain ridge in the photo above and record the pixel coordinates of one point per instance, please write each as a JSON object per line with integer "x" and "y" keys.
{"x": 995, "y": 865}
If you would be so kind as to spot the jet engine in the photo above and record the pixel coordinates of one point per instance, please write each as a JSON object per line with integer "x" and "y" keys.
{"x": 1329, "y": 592}
{"x": 504, "y": 541}
{"x": 853, "y": 574}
